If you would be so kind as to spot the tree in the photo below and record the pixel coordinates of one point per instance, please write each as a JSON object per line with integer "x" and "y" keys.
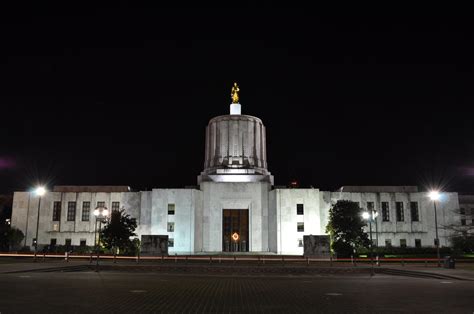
{"x": 345, "y": 227}
{"x": 118, "y": 230}
{"x": 11, "y": 237}
{"x": 462, "y": 236}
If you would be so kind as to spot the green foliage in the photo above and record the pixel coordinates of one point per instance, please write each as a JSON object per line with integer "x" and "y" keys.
{"x": 345, "y": 227}
{"x": 464, "y": 244}
{"x": 10, "y": 238}
{"x": 117, "y": 232}
{"x": 385, "y": 251}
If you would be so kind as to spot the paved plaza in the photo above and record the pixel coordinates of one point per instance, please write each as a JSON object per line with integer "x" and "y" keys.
{"x": 137, "y": 292}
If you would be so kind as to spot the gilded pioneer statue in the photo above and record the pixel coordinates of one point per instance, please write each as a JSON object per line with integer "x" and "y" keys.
{"x": 235, "y": 94}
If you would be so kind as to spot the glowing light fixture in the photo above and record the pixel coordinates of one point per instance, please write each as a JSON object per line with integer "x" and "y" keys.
{"x": 434, "y": 195}
{"x": 40, "y": 191}
{"x": 366, "y": 215}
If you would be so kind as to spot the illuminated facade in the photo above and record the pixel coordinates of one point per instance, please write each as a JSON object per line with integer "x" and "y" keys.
{"x": 235, "y": 207}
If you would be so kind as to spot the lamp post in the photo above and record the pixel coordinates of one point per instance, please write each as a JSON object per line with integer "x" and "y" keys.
{"x": 39, "y": 191}
{"x": 370, "y": 217}
{"x": 100, "y": 214}
{"x": 434, "y": 196}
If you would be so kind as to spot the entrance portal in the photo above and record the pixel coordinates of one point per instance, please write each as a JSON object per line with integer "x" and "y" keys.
{"x": 235, "y": 230}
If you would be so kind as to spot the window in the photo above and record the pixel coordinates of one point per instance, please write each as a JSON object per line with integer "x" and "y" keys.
{"x": 100, "y": 204}
{"x": 170, "y": 227}
{"x": 462, "y": 211}
{"x": 56, "y": 211}
{"x": 71, "y": 211}
{"x": 52, "y": 242}
{"x": 55, "y": 227}
{"x": 385, "y": 212}
{"x": 403, "y": 243}
{"x": 415, "y": 216}
{"x": 300, "y": 242}
{"x": 83, "y": 242}
{"x": 463, "y": 222}
{"x": 400, "y": 213}
{"x": 299, "y": 209}
{"x": 418, "y": 243}
{"x": 370, "y": 206}
{"x": 86, "y": 211}
{"x": 300, "y": 227}
{"x": 115, "y": 206}
{"x": 170, "y": 242}
{"x": 171, "y": 209}
{"x": 68, "y": 243}
{"x": 388, "y": 243}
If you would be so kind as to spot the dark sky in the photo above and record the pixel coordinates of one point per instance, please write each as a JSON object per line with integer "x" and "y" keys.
{"x": 121, "y": 95}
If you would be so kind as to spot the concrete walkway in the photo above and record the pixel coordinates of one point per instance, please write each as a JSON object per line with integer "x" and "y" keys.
{"x": 462, "y": 272}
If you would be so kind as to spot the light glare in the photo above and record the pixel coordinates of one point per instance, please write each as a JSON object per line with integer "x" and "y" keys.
{"x": 40, "y": 191}
{"x": 434, "y": 195}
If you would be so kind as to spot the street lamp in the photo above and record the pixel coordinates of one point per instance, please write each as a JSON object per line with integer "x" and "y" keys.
{"x": 434, "y": 196}
{"x": 369, "y": 216}
{"x": 100, "y": 214}
{"x": 39, "y": 191}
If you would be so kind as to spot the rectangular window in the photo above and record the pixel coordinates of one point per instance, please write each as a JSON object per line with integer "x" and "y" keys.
{"x": 56, "y": 211}
{"x": 86, "y": 211}
{"x": 71, "y": 211}
{"x": 68, "y": 243}
{"x": 170, "y": 227}
{"x": 100, "y": 204}
{"x": 299, "y": 209}
{"x": 170, "y": 242}
{"x": 171, "y": 209}
{"x": 55, "y": 227}
{"x": 415, "y": 215}
{"x": 300, "y": 227}
{"x": 418, "y": 243}
{"x": 300, "y": 242}
{"x": 115, "y": 206}
{"x": 463, "y": 222}
{"x": 403, "y": 243}
{"x": 370, "y": 206}
{"x": 83, "y": 242}
{"x": 385, "y": 212}
{"x": 388, "y": 243}
{"x": 52, "y": 242}
{"x": 462, "y": 211}
{"x": 400, "y": 212}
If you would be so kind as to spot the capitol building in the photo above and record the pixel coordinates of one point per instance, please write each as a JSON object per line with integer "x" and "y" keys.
{"x": 235, "y": 207}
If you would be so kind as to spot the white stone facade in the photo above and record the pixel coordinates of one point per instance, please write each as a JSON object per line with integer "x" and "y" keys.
{"x": 235, "y": 177}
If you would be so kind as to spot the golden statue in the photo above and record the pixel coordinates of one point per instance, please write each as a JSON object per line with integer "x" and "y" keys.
{"x": 235, "y": 94}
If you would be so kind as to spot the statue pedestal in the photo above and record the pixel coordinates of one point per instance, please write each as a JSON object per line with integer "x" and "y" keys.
{"x": 235, "y": 109}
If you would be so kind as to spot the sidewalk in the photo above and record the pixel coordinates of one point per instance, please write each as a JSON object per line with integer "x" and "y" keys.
{"x": 16, "y": 266}
{"x": 461, "y": 271}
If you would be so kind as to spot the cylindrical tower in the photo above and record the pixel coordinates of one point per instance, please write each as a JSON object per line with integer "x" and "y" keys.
{"x": 235, "y": 148}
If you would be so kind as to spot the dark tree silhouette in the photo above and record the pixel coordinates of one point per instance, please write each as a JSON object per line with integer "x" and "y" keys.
{"x": 118, "y": 230}
{"x": 345, "y": 227}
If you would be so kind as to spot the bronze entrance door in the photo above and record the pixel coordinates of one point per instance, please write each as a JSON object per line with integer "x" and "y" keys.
{"x": 235, "y": 230}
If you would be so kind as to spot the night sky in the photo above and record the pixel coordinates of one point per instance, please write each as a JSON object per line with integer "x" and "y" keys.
{"x": 122, "y": 95}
